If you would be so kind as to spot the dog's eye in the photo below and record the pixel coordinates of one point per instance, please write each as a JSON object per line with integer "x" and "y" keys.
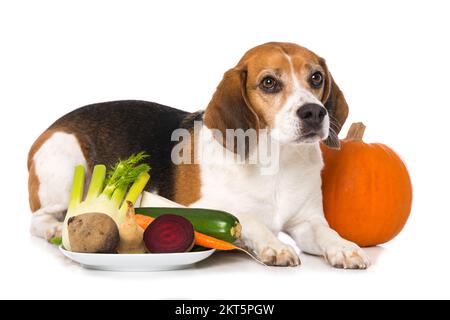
{"x": 316, "y": 79}
{"x": 270, "y": 85}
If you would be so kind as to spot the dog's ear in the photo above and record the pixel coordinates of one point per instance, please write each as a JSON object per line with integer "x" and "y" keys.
{"x": 334, "y": 101}
{"x": 229, "y": 107}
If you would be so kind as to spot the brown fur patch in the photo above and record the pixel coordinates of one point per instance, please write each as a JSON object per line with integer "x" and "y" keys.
{"x": 187, "y": 186}
{"x": 33, "y": 189}
{"x": 229, "y": 107}
{"x": 33, "y": 180}
{"x": 334, "y": 100}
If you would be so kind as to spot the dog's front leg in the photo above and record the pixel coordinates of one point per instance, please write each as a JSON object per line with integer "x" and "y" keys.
{"x": 314, "y": 236}
{"x": 269, "y": 249}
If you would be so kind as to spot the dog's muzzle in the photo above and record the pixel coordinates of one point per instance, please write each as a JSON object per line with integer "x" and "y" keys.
{"x": 312, "y": 116}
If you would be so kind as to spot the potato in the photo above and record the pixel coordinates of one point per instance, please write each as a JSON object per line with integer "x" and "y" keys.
{"x": 93, "y": 233}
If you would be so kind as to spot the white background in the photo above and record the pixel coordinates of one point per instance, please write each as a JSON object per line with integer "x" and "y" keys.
{"x": 391, "y": 58}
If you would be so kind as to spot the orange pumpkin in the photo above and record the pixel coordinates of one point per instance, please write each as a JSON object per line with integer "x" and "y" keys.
{"x": 367, "y": 192}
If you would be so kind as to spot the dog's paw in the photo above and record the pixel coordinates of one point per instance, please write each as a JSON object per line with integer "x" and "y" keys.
{"x": 46, "y": 226}
{"x": 279, "y": 255}
{"x": 346, "y": 255}
{"x": 54, "y": 231}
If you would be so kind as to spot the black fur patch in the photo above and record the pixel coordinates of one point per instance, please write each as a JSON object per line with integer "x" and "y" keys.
{"x": 114, "y": 130}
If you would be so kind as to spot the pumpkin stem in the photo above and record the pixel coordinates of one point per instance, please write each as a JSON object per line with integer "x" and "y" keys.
{"x": 356, "y": 132}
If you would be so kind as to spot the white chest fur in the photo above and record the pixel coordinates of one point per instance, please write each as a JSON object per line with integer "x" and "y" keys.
{"x": 242, "y": 189}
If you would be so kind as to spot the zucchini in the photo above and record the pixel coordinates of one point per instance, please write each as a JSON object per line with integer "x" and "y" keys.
{"x": 218, "y": 224}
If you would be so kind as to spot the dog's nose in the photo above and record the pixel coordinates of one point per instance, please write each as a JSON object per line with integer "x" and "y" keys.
{"x": 312, "y": 114}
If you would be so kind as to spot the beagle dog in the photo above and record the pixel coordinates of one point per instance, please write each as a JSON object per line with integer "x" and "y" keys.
{"x": 281, "y": 88}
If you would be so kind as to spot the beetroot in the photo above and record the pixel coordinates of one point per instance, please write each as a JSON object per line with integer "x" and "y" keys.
{"x": 169, "y": 233}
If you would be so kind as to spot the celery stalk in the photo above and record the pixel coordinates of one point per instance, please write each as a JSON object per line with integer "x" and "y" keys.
{"x": 76, "y": 194}
{"x": 118, "y": 195}
{"x": 97, "y": 182}
{"x": 135, "y": 190}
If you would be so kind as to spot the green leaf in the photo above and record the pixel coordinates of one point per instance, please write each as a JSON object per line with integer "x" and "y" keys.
{"x": 57, "y": 241}
{"x": 126, "y": 171}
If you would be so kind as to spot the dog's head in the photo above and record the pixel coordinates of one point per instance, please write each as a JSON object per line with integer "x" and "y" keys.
{"x": 282, "y": 87}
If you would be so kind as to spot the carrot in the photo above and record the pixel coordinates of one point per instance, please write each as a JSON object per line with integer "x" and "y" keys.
{"x": 213, "y": 243}
{"x": 143, "y": 221}
{"x": 200, "y": 238}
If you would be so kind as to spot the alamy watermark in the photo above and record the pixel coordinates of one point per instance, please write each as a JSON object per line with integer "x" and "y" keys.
{"x": 259, "y": 148}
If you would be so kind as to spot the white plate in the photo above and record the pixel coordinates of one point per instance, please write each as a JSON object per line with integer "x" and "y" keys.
{"x": 137, "y": 262}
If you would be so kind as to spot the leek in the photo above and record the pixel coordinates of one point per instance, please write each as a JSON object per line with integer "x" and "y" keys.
{"x": 107, "y": 192}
